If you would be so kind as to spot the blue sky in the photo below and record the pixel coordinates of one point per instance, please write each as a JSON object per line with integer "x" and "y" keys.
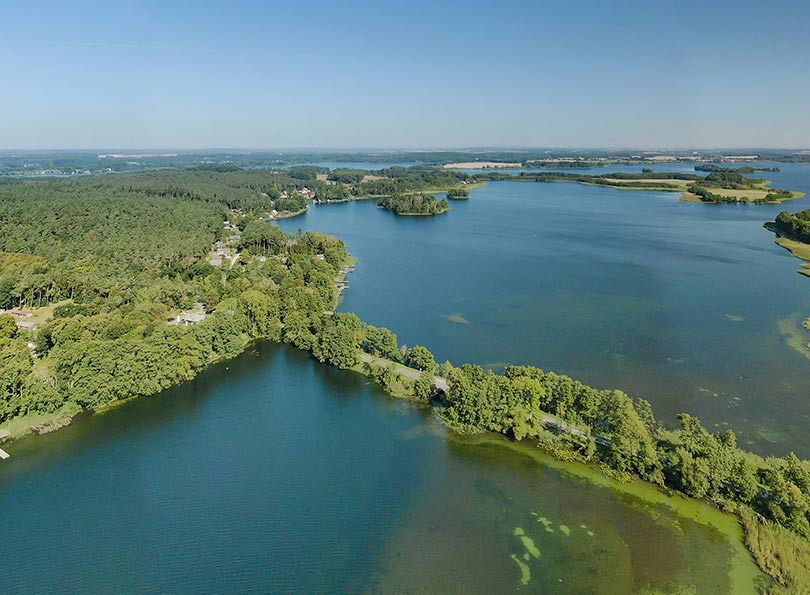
{"x": 154, "y": 74}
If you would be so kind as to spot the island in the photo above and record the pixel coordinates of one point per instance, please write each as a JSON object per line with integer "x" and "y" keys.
{"x": 424, "y": 205}
{"x": 458, "y": 194}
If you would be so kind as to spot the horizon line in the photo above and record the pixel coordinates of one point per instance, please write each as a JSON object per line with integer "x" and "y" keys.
{"x": 438, "y": 149}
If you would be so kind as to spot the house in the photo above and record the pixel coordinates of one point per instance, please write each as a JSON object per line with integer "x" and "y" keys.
{"x": 186, "y": 318}
{"x": 190, "y": 318}
{"x": 20, "y": 313}
{"x": 27, "y": 325}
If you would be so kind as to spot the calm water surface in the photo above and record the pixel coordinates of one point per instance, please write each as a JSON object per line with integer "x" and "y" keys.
{"x": 680, "y": 303}
{"x": 274, "y": 474}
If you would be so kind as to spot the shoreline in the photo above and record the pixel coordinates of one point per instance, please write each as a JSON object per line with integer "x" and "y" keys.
{"x": 289, "y": 214}
{"x": 797, "y": 248}
{"x": 483, "y": 165}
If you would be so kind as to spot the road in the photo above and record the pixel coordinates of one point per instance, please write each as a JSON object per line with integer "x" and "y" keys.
{"x": 438, "y": 381}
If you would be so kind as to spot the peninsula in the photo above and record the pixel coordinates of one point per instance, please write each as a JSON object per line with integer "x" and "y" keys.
{"x": 793, "y": 234}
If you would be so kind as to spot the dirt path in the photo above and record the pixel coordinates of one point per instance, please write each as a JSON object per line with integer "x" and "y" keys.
{"x": 440, "y": 382}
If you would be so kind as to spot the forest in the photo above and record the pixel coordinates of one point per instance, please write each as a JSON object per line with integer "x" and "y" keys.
{"x": 795, "y": 226}
{"x": 116, "y": 261}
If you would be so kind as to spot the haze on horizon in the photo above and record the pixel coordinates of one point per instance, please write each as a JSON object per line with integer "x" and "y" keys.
{"x": 251, "y": 74}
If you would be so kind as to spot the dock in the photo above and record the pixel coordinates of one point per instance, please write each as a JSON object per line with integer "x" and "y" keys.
{"x": 3, "y": 454}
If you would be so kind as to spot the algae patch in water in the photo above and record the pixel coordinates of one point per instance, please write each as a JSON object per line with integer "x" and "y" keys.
{"x": 543, "y": 521}
{"x": 528, "y": 543}
{"x": 795, "y": 335}
{"x": 531, "y": 551}
{"x": 456, "y": 317}
{"x": 525, "y": 572}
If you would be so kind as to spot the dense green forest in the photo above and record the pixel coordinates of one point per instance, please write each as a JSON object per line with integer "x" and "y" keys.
{"x": 118, "y": 260}
{"x": 414, "y": 204}
{"x": 796, "y": 226}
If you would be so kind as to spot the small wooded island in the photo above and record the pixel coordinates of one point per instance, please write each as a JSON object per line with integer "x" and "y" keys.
{"x": 458, "y": 194}
{"x": 414, "y": 204}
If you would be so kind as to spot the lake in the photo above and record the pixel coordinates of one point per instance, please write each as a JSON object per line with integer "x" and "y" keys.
{"x": 680, "y": 303}
{"x": 271, "y": 473}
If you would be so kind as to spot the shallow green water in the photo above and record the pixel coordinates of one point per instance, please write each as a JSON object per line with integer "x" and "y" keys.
{"x": 272, "y": 473}
{"x": 679, "y": 303}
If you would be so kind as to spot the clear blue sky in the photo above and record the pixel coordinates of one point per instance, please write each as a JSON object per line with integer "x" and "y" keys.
{"x": 324, "y": 73}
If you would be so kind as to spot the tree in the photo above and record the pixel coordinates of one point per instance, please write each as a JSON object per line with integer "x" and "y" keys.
{"x": 421, "y": 358}
{"x": 382, "y": 342}
{"x": 645, "y": 413}
{"x": 8, "y": 326}
{"x": 339, "y": 341}
{"x": 423, "y": 387}
{"x": 264, "y": 238}
{"x": 692, "y": 474}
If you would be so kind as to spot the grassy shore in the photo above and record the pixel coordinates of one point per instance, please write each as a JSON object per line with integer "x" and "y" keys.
{"x": 290, "y": 214}
{"x": 797, "y": 249}
{"x": 780, "y": 553}
{"x": 421, "y": 214}
{"x": 682, "y": 186}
